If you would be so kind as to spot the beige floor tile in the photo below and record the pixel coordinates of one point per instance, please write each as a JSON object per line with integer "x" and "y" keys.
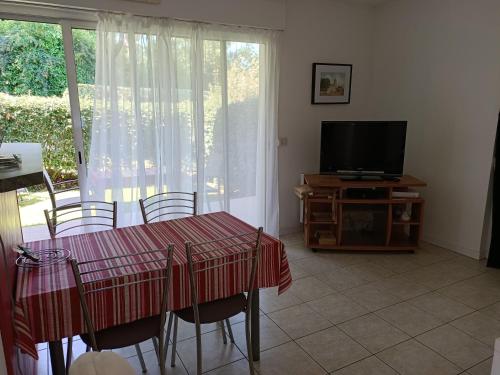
{"x": 292, "y": 238}
{"x": 413, "y": 358}
{"x": 287, "y": 359}
{"x": 430, "y": 254}
{"x": 442, "y": 274}
{"x": 130, "y": 351}
{"x": 296, "y": 271}
{"x": 315, "y": 265}
{"x": 370, "y": 271}
{"x": 343, "y": 259}
{"x": 368, "y": 366}
{"x": 270, "y": 335}
{"x": 186, "y": 330}
{"x": 337, "y": 308}
{"x": 332, "y": 348}
{"x": 371, "y": 297}
{"x": 401, "y": 287}
{"x": 215, "y": 352}
{"x": 341, "y": 279}
{"x": 479, "y": 326}
{"x": 270, "y": 301}
{"x": 236, "y": 368}
{"x": 373, "y": 333}
{"x": 442, "y": 307}
{"x": 397, "y": 263}
{"x": 298, "y": 321}
{"x": 493, "y": 311}
{"x": 456, "y": 346}
{"x": 152, "y": 365}
{"x": 310, "y": 288}
{"x": 297, "y": 251}
{"x": 483, "y": 368}
{"x": 472, "y": 293}
{"x": 409, "y": 319}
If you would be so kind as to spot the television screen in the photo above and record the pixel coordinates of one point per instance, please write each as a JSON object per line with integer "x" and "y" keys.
{"x": 363, "y": 147}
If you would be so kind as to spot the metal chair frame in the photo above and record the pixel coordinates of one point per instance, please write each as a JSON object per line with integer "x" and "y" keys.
{"x": 55, "y": 218}
{"x": 83, "y": 292}
{"x": 182, "y": 203}
{"x": 53, "y": 189}
{"x": 177, "y": 201}
{"x": 248, "y": 251}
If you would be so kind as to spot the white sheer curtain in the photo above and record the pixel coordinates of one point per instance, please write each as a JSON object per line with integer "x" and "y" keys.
{"x": 184, "y": 106}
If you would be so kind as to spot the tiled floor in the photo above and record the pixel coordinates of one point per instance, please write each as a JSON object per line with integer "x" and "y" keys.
{"x": 432, "y": 312}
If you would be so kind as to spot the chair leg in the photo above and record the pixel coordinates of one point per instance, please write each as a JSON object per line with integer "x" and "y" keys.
{"x": 199, "y": 357}
{"x": 223, "y": 331}
{"x": 230, "y": 331}
{"x": 161, "y": 340}
{"x": 87, "y": 349}
{"x": 155, "y": 344}
{"x": 141, "y": 358}
{"x": 174, "y": 342}
{"x": 167, "y": 337}
{"x": 249, "y": 342}
{"x": 69, "y": 354}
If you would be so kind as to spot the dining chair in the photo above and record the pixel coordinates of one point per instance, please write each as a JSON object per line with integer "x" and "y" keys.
{"x": 61, "y": 187}
{"x": 172, "y": 204}
{"x": 72, "y": 217}
{"x": 211, "y": 260}
{"x": 88, "y": 214}
{"x": 169, "y": 205}
{"x": 131, "y": 282}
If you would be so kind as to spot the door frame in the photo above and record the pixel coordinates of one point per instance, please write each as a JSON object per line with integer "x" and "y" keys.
{"x": 67, "y": 25}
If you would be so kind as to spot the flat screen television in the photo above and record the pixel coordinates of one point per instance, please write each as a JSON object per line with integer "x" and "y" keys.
{"x": 363, "y": 148}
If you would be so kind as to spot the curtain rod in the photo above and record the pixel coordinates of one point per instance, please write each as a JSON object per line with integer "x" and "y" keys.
{"x": 87, "y": 11}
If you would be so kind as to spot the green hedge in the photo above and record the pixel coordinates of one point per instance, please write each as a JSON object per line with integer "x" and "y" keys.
{"x": 45, "y": 120}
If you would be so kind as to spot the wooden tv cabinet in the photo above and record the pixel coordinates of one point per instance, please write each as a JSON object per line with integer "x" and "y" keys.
{"x": 361, "y": 214}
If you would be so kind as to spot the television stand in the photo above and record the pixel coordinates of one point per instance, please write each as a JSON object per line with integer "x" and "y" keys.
{"x": 361, "y": 178}
{"x": 361, "y": 215}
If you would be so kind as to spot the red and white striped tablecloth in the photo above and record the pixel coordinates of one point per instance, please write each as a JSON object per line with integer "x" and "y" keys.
{"x": 47, "y": 304}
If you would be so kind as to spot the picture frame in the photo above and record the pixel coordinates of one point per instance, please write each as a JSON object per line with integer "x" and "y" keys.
{"x": 331, "y": 83}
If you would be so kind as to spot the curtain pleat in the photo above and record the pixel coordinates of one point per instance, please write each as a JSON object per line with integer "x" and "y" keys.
{"x": 183, "y": 106}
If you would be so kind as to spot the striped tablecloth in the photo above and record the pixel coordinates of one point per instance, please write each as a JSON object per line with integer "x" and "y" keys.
{"x": 47, "y": 304}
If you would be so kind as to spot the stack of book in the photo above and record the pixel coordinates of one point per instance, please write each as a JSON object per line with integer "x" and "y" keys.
{"x": 10, "y": 161}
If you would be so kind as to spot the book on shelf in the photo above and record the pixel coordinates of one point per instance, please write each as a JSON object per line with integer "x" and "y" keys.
{"x": 326, "y": 237}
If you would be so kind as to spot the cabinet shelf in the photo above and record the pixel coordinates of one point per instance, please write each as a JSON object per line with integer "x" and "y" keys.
{"x": 362, "y": 224}
{"x": 405, "y": 222}
{"x": 381, "y": 201}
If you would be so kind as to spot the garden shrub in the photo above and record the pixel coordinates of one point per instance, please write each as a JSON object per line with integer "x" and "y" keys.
{"x": 45, "y": 120}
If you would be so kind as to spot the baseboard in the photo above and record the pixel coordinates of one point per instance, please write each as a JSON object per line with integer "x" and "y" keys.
{"x": 471, "y": 253}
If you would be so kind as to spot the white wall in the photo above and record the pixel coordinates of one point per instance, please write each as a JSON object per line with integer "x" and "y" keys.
{"x": 437, "y": 64}
{"x": 258, "y": 13}
{"x": 326, "y": 31}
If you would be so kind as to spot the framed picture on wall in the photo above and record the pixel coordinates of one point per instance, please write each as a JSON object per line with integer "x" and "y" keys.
{"x": 331, "y": 83}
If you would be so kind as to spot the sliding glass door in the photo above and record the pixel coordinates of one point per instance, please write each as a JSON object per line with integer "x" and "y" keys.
{"x": 39, "y": 103}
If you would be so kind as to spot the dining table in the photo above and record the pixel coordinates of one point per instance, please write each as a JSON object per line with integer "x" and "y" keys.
{"x": 47, "y": 305}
